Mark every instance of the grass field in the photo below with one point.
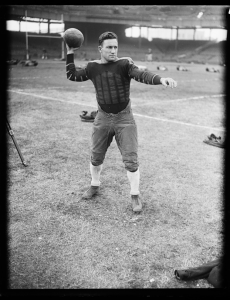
(57, 240)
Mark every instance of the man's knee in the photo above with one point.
(131, 166)
(97, 160)
(97, 163)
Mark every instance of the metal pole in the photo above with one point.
(11, 133)
(171, 33)
(27, 48)
(177, 33)
(86, 36)
(139, 37)
(63, 44)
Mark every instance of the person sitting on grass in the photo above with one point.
(111, 77)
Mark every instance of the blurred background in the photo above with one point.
(187, 33)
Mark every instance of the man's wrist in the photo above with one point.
(70, 51)
(157, 79)
(69, 58)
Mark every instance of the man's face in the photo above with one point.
(108, 50)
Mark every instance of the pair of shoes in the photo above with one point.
(92, 191)
(136, 203)
(214, 141)
(88, 117)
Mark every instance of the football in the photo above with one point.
(73, 38)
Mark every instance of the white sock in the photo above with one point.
(95, 174)
(134, 179)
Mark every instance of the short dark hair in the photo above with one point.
(108, 35)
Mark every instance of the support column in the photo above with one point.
(177, 29)
(63, 43)
(194, 33)
(48, 26)
(85, 37)
(140, 37)
(27, 47)
(210, 34)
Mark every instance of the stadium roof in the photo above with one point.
(182, 16)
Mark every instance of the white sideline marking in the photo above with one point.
(197, 97)
(54, 87)
(13, 78)
(135, 114)
(195, 80)
(182, 99)
(179, 122)
(50, 98)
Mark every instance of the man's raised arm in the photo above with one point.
(73, 73)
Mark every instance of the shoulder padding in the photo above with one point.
(95, 61)
(128, 58)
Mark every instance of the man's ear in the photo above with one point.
(99, 48)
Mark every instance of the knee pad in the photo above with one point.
(96, 163)
(131, 166)
(133, 170)
(97, 160)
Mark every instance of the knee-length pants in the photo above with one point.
(123, 127)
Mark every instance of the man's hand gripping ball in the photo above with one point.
(73, 39)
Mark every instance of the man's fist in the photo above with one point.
(169, 82)
(70, 50)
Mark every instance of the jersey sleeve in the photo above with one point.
(146, 77)
(74, 73)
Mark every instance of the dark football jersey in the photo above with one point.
(111, 80)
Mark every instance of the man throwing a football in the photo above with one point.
(111, 77)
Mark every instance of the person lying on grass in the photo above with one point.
(111, 77)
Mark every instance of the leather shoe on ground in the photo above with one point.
(136, 203)
(92, 191)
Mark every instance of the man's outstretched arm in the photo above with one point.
(148, 77)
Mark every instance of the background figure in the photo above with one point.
(84, 55)
(44, 56)
(149, 55)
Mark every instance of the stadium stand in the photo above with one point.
(17, 43)
(163, 50)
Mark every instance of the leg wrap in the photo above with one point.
(95, 174)
(134, 180)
